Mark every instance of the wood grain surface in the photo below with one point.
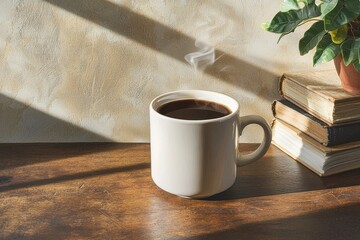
(104, 191)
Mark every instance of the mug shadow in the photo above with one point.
(333, 223)
(281, 175)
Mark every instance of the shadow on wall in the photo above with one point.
(172, 43)
(22, 123)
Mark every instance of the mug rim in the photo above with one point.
(234, 110)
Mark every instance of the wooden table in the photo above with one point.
(104, 191)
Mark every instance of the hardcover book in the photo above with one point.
(320, 93)
(322, 160)
(322, 132)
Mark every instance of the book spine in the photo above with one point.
(342, 134)
(324, 111)
(281, 83)
(273, 106)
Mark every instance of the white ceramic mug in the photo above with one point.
(198, 158)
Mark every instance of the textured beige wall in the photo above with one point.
(87, 70)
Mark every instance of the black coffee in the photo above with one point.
(191, 109)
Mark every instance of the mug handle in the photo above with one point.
(264, 146)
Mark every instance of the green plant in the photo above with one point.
(336, 28)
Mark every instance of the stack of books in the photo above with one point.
(317, 123)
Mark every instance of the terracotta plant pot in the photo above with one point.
(350, 78)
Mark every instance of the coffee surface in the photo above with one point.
(191, 109)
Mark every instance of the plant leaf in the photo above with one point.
(356, 65)
(284, 22)
(339, 35)
(288, 5)
(350, 50)
(307, 2)
(344, 12)
(312, 37)
(326, 50)
(327, 6)
(282, 35)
